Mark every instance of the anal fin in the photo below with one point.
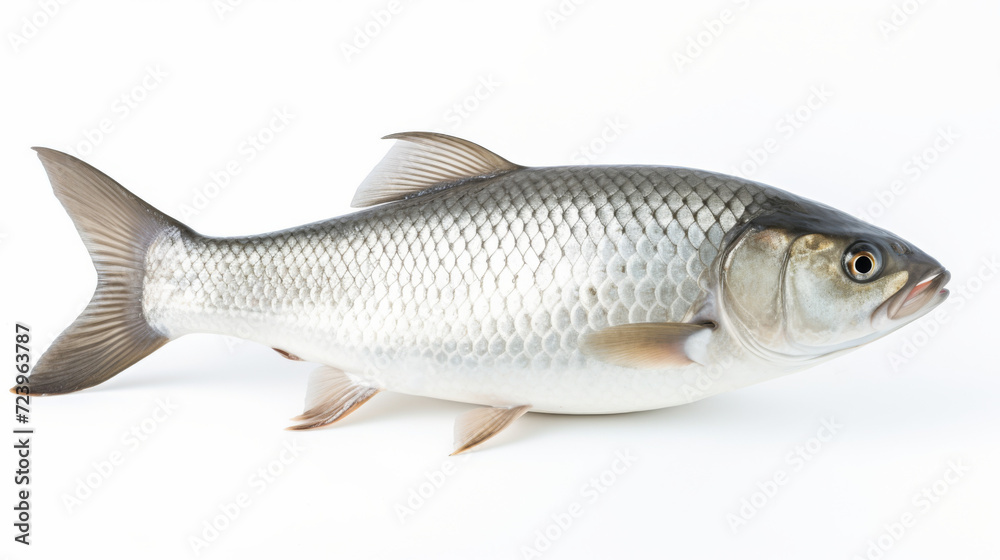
(478, 425)
(330, 396)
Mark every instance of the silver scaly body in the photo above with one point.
(575, 290)
(480, 293)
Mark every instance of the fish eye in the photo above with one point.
(862, 261)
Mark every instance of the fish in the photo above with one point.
(569, 289)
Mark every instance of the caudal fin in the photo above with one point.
(117, 227)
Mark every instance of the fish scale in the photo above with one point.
(562, 289)
(470, 291)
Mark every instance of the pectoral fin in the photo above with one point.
(330, 396)
(478, 425)
(643, 345)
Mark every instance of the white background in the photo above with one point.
(555, 84)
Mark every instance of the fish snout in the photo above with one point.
(924, 291)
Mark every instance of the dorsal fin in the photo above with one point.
(422, 161)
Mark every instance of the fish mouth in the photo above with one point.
(915, 296)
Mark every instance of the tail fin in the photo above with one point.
(117, 227)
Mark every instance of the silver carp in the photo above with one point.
(574, 290)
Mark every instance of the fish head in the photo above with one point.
(807, 281)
